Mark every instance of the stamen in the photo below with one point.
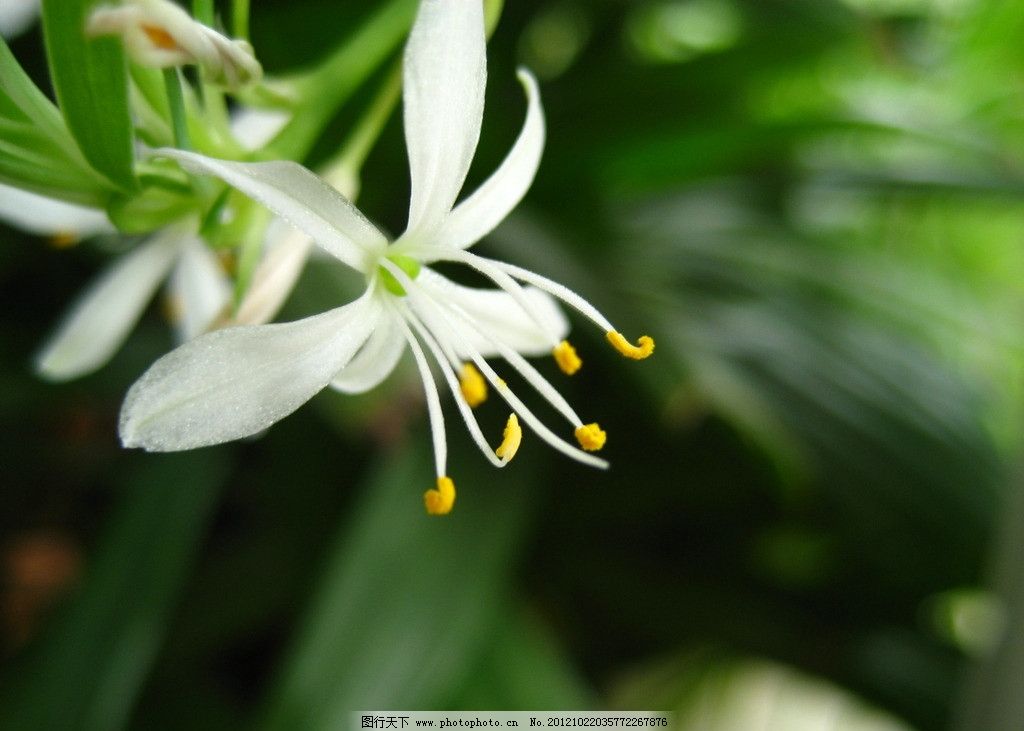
(159, 37)
(63, 239)
(514, 359)
(511, 438)
(472, 385)
(440, 501)
(565, 356)
(416, 293)
(173, 309)
(434, 412)
(643, 348)
(494, 273)
(591, 437)
(464, 410)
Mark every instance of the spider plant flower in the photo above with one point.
(198, 289)
(159, 34)
(100, 321)
(235, 382)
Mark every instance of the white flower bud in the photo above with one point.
(159, 34)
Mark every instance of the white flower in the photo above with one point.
(100, 321)
(159, 34)
(238, 381)
(198, 288)
(16, 16)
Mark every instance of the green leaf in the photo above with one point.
(407, 599)
(331, 84)
(88, 668)
(90, 78)
(36, 149)
(524, 667)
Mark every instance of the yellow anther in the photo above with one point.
(472, 385)
(643, 348)
(63, 239)
(591, 437)
(441, 500)
(159, 37)
(565, 356)
(173, 309)
(511, 438)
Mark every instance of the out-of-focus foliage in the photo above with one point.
(815, 209)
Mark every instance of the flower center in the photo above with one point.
(407, 264)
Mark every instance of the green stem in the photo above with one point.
(176, 104)
(240, 19)
(370, 125)
(202, 10)
(331, 83)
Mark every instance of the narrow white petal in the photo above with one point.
(376, 360)
(286, 252)
(199, 290)
(501, 316)
(445, 75)
(16, 16)
(101, 319)
(44, 216)
(478, 215)
(235, 382)
(299, 197)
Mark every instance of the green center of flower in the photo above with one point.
(407, 264)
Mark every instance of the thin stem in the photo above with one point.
(202, 10)
(368, 129)
(176, 104)
(349, 161)
(240, 19)
(334, 80)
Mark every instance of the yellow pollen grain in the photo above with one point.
(441, 500)
(591, 437)
(643, 348)
(565, 356)
(511, 438)
(63, 240)
(159, 37)
(173, 309)
(472, 385)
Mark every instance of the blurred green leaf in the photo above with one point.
(87, 669)
(523, 668)
(36, 150)
(91, 81)
(406, 599)
(330, 84)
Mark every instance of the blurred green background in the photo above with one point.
(814, 206)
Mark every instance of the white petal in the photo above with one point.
(299, 197)
(256, 127)
(43, 216)
(500, 316)
(286, 252)
(375, 361)
(235, 382)
(100, 321)
(16, 16)
(445, 75)
(477, 216)
(199, 290)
